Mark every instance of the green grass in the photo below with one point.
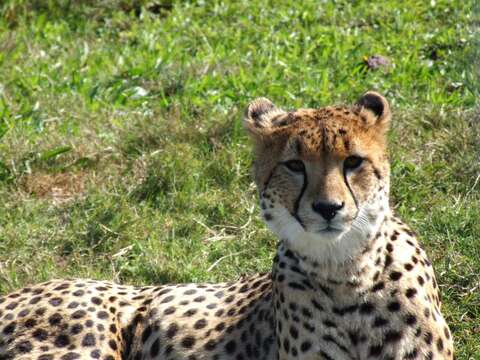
(122, 154)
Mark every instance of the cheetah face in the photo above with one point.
(322, 174)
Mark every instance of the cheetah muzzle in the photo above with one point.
(349, 280)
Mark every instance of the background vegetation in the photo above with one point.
(122, 155)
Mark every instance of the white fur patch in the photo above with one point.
(329, 247)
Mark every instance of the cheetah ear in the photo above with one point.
(376, 108)
(262, 118)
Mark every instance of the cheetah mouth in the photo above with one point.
(329, 230)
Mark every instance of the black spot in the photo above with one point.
(411, 354)
(447, 333)
(410, 319)
(395, 275)
(200, 324)
(62, 287)
(306, 345)
(55, 319)
(378, 286)
(411, 292)
(70, 356)
(40, 311)
(35, 300)
(188, 342)
(62, 340)
(79, 314)
(392, 336)
(388, 261)
(167, 299)
(155, 348)
(30, 323)
(170, 310)
(329, 323)
(375, 350)
(96, 300)
(345, 310)
(113, 344)
(294, 332)
(393, 306)
(10, 328)
(426, 312)
(88, 340)
(210, 345)
(418, 332)
(428, 338)
(306, 313)
(76, 329)
(440, 344)
(73, 305)
(366, 308)
(146, 334)
(172, 330)
(78, 293)
(380, 321)
(230, 347)
(102, 315)
(190, 312)
(296, 286)
(24, 347)
(353, 337)
(45, 357)
(40, 334)
(55, 301)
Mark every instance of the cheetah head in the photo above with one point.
(322, 174)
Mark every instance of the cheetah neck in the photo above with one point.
(355, 272)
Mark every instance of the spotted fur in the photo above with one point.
(349, 281)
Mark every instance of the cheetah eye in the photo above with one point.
(295, 165)
(352, 162)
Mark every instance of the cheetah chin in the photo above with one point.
(335, 245)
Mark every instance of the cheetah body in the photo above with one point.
(89, 319)
(349, 280)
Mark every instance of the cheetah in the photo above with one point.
(349, 280)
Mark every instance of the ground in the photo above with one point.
(98, 119)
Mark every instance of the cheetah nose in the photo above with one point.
(327, 209)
